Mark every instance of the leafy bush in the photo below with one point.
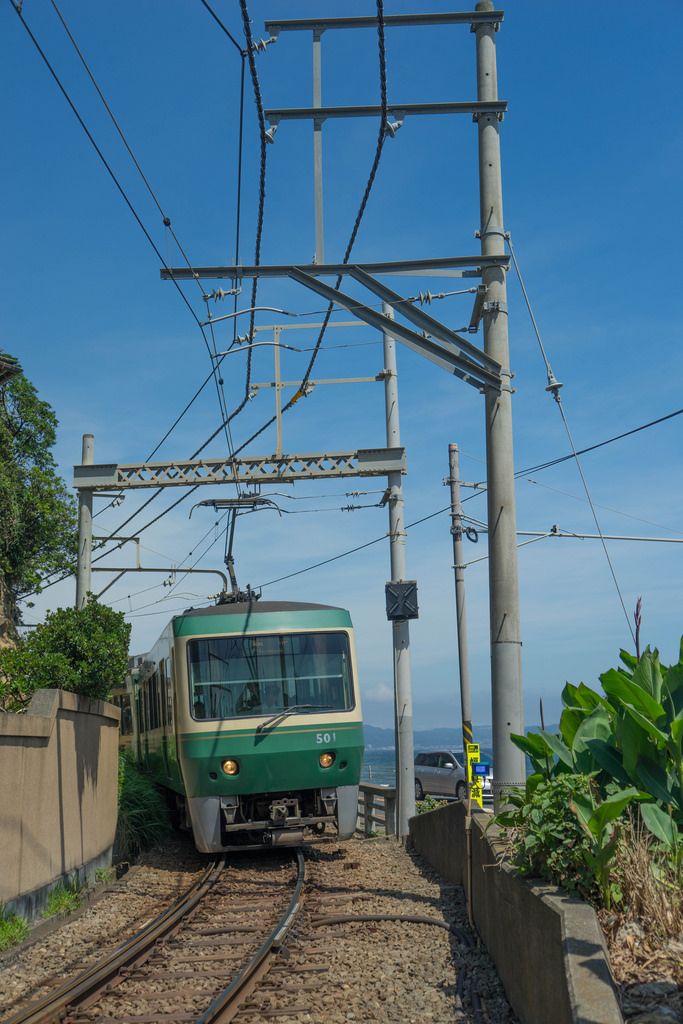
(143, 815)
(630, 737)
(614, 749)
(544, 837)
(13, 929)
(82, 650)
(429, 803)
(63, 899)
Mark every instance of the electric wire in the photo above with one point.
(554, 389)
(263, 165)
(223, 27)
(120, 188)
(381, 138)
(360, 547)
(600, 444)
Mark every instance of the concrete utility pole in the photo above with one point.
(460, 610)
(506, 667)
(403, 695)
(83, 571)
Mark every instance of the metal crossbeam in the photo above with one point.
(448, 356)
(423, 320)
(273, 28)
(257, 469)
(476, 107)
(445, 266)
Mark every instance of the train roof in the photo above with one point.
(258, 608)
(259, 617)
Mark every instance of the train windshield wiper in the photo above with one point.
(291, 711)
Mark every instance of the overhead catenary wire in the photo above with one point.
(481, 488)
(166, 220)
(553, 387)
(223, 27)
(381, 138)
(121, 190)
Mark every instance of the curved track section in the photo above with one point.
(191, 963)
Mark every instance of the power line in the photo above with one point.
(119, 186)
(263, 163)
(381, 138)
(224, 28)
(360, 547)
(166, 220)
(600, 444)
(553, 387)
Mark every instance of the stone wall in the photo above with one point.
(58, 795)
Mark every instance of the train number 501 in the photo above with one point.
(326, 737)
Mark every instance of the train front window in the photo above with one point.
(245, 676)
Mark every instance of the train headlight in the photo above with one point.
(326, 760)
(231, 767)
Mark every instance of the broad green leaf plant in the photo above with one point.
(628, 743)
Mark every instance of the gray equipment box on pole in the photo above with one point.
(401, 600)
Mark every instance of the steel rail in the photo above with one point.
(228, 1003)
(53, 1007)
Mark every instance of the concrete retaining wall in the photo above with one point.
(58, 795)
(547, 946)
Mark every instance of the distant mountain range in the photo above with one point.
(435, 739)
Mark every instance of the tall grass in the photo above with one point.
(143, 815)
(13, 929)
(646, 876)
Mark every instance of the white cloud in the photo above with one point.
(381, 692)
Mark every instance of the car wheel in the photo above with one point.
(461, 791)
(419, 792)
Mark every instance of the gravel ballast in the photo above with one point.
(331, 972)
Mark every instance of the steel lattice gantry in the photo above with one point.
(251, 469)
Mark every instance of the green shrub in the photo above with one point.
(629, 738)
(618, 758)
(82, 650)
(429, 803)
(543, 835)
(143, 815)
(13, 929)
(63, 899)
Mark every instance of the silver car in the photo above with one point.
(441, 773)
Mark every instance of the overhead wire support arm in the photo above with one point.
(446, 355)
(274, 27)
(423, 320)
(247, 469)
(440, 266)
(475, 107)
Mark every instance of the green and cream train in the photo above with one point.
(249, 716)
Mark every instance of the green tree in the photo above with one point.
(84, 650)
(37, 513)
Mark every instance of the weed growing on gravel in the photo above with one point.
(104, 874)
(63, 899)
(143, 815)
(13, 929)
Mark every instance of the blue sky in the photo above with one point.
(591, 160)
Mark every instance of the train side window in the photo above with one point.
(169, 690)
(154, 701)
(162, 690)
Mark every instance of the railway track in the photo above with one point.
(199, 960)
